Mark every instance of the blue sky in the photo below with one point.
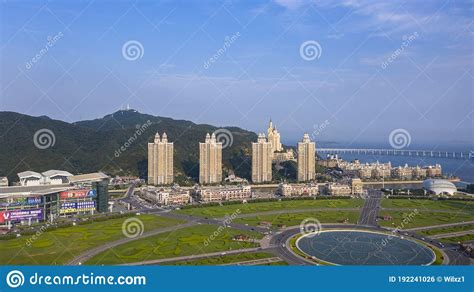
(381, 65)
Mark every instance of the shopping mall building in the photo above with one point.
(82, 195)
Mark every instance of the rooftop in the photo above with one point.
(21, 191)
(89, 177)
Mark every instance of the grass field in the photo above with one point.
(293, 219)
(182, 242)
(222, 260)
(423, 218)
(221, 211)
(447, 230)
(62, 245)
(465, 238)
(425, 205)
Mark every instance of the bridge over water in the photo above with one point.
(398, 152)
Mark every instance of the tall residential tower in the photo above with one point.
(160, 161)
(210, 161)
(306, 159)
(274, 138)
(262, 155)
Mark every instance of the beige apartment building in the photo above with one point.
(306, 159)
(298, 190)
(274, 138)
(210, 161)
(262, 155)
(160, 161)
(218, 194)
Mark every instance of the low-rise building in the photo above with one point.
(235, 179)
(226, 193)
(50, 177)
(335, 189)
(298, 190)
(26, 205)
(288, 155)
(167, 196)
(357, 186)
(419, 172)
(402, 172)
(3, 181)
(434, 170)
(331, 161)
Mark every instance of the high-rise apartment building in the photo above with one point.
(274, 138)
(262, 155)
(160, 161)
(210, 161)
(306, 159)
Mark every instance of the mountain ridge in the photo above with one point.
(90, 145)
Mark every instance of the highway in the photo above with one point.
(368, 214)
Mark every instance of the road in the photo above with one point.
(255, 262)
(277, 212)
(452, 234)
(368, 214)
(276, 243)
(439, 226)
(193, 257)
(78, 260)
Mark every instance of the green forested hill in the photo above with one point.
(89, 146)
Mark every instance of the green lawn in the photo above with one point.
(447, 230)
(222, 260)
(62, 245)
(465, 238)
(221, 211)
(294, 219)
(182, 242)
(426, 205)
(423, 218)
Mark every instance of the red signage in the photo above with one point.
(77, 194)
